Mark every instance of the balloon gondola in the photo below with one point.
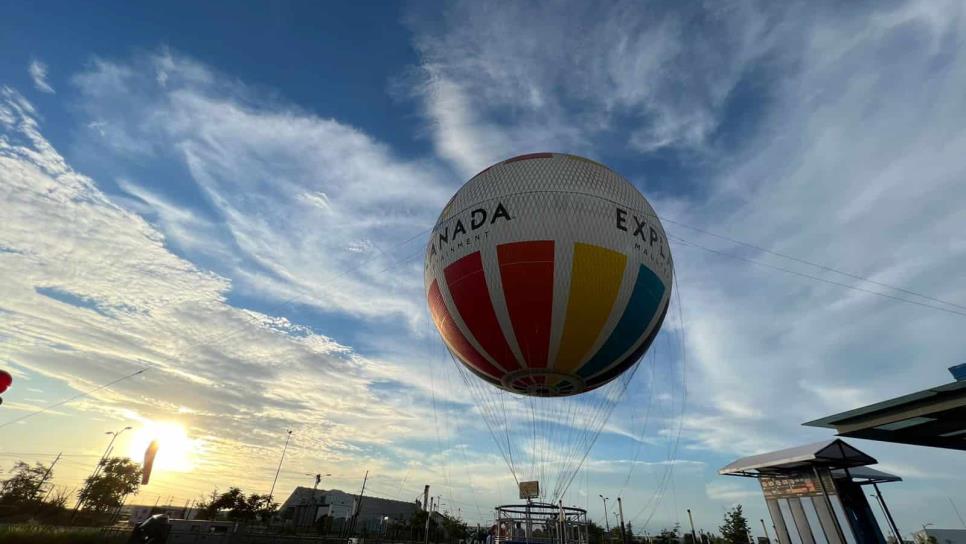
(548, 277)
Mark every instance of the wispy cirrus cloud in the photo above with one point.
(38, 73)
(302, 207)
(583, 78)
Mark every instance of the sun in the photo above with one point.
(176, 451)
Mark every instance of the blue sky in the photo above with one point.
(239, 198)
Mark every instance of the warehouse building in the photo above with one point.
(332, 509)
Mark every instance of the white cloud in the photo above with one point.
(731, 491)
(92, 294)
(38, 73)
(296, 200)
(528, 77)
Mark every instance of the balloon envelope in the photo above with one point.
(5, 380)
(548, 275)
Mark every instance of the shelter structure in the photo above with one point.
(933, 417)
(816, 489)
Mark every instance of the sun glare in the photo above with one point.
(176, 452)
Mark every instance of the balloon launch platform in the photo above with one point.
(540, 523)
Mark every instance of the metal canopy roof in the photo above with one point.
(831, 454)
(866, 475)
(933, 417)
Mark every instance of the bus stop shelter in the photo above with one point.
(817, 489)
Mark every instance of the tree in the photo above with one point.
(27, 485)
(208, 506)
(454, 528)
(58, 498)
(595, 533)
(669, 536)
(117, 478)
(735, 529)
(239, 507)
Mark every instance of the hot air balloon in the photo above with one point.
(5, 380)
(548, 277)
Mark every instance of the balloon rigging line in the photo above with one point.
(80, 395)
(462, 450)
(814, 277)
(647, 412)
(672, 453)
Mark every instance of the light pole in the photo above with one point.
(318, 479)
(878, 499)
(694, 536)
(606, 520)
(279, 469)
(100, 462)
(763, 528)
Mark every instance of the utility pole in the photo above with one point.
(46, 475)
(358, 508)
(620, 508)
(43, 480)
(694, 536)
(279, 469)
(429, 512)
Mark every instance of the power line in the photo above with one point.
(812, 263)
(818, 278)
(69, 399)
(45, 454)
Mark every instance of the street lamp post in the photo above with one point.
(606, 520)
(315, 488)
(271, 493)
(100, 462)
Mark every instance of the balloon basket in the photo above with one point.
(540, 523)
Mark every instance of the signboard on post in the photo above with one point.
(529, 490)
(801, 484)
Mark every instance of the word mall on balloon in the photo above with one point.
(636, 227)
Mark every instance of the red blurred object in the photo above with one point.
(5, 380)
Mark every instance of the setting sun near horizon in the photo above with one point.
(177, 452)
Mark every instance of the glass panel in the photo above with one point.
(789, 521)
(813, 521)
